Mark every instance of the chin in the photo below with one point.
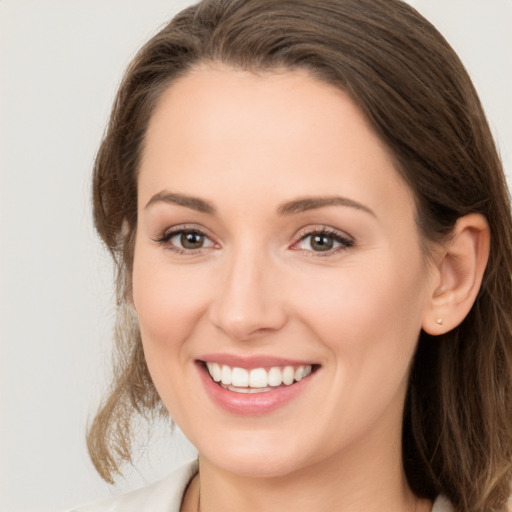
(256, 459)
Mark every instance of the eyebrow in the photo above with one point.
(194, 203)
(289, 208)
(311, 203)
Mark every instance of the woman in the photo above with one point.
(312, 233)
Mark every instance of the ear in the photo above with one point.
(458, 271)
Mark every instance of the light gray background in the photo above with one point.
(60, 63)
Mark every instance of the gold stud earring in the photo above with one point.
(439, 321)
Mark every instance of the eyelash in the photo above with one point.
(167, 235)
(344, 241)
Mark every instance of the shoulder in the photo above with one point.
(442, 505)
(162, 496)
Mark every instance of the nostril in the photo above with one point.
(245, 321)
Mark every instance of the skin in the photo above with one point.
(247, 143)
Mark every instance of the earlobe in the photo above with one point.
(460, 266)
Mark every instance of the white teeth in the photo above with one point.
(248, 390)
(288, 375)
(275, 377)
(240, 377)
(215, 371)
(257, 379)
(226, 375)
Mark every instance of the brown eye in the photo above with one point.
(322, 242)
(184, 240)
(191, 240)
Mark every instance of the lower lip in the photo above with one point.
(251, 403)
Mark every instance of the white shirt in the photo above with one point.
(166, 496)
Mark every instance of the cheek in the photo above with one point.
(365, 300)
(169, 300)
(370, 322)
(369, 318)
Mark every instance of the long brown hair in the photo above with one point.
(413, 89)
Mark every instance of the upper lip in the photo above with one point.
(250, 362)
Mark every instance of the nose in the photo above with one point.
(249, 303)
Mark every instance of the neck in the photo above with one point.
(377, 485)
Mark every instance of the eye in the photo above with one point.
(189, 240)
(324, 241)
(185, 240)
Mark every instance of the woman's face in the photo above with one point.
(276, 241)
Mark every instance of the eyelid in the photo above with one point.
(322, 228)
(346, 240)
(165, 237)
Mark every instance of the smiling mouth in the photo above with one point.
(257, 380)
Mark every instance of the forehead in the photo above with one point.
(218, 129)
